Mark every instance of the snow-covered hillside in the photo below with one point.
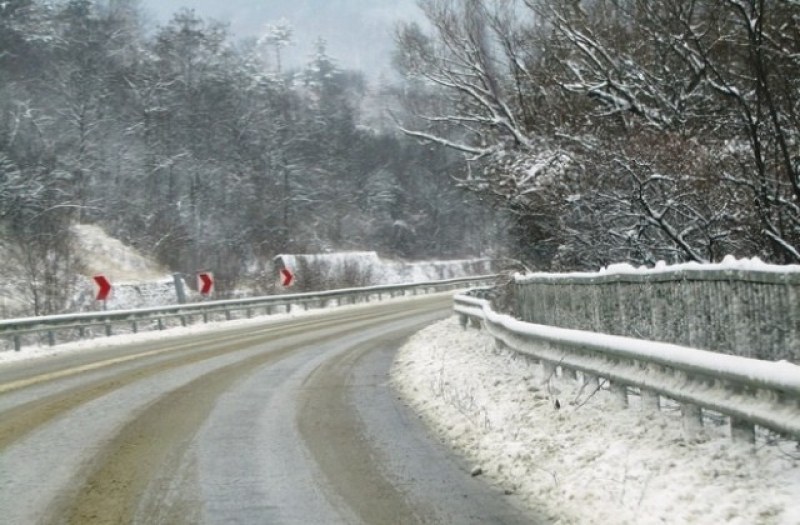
(140, 282)
(137, 281)
(99, 253)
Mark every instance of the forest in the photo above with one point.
(619, 130)
(204, 152)
(561, 134)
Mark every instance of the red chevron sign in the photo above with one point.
(287, 277)
(205, 283)
(103, 287)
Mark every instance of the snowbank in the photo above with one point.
(588, 462)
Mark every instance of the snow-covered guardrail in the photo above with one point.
(749, 391)
(81, 323)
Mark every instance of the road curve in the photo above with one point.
(289, 422)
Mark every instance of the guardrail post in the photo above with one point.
(742, 431)
(51, 338)
(109, 331)
(692, 416)
(463, 320)
(205, 317)
(649, 400)
(227, 315)
(135, 326)
(160, 324)
(183, 320)
(17, 343)
(619, 392)
(549, 370)
(180, 291)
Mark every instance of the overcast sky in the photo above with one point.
(358, 32)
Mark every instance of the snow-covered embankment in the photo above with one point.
(587, 462)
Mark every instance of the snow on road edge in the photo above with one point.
(587, 462)
(125, 337)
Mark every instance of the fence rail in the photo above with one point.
(749, 391)
(81, 323)
(749, 313)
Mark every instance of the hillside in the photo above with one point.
(27, 281)
(99, 253)
(138, 281)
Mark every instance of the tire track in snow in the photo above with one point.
(110, 490)
(333, 432)
(19, 421)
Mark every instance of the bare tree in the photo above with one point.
(635, 129)
(721, 71)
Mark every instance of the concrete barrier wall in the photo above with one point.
(746, 312)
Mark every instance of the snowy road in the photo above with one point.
(288, 422)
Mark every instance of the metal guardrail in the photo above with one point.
(16, 329)
(749, 391)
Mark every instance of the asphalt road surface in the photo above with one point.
(289, 422)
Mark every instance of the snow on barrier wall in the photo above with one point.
(740, 307)
(326, 270)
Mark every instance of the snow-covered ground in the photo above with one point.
(588, 462)
(38, 351)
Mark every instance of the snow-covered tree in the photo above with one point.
(277, 36)
(180, 142)
(618, 128)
